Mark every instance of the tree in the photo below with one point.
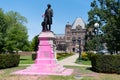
(13, 32)
(91, 45)
(3, 28)
(107, 14)
(34, 43)
(16, 38)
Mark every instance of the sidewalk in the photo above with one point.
(70, 61)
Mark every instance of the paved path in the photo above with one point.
(70, 61)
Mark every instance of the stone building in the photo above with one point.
(72, 33)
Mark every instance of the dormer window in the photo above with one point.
(78, 27)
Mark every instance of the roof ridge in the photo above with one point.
(78, 21)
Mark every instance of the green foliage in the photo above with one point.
(16, 38)
(89, 55)
(34, 56)
(2, 29)
(84, 56)
(63, 55)
(107, 14)
(91, 45)
(84, 62)
(9, 60)
(106, 63)
(13, 32)
(34, 43)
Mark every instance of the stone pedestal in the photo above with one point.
(46, 62)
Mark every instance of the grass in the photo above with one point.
(26, 59)
(84, 62)
(62, 77)
(5, 73)
(63, 57)
(79, 69)
(84, 72)
(88, 62)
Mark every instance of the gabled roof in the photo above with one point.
(78, 21)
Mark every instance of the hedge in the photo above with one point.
(34, 56)
(106, 63)
(89, 55)
(9, 60)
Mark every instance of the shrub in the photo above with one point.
(34, 56)
(118, 70)
(9, 60)
(106, 63)
(84, 56)
(89, 55)
(117, 64)
(63, 55)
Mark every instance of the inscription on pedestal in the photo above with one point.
(47, 54)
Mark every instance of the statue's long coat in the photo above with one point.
(48, 16)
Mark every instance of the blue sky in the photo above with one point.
(64, 11)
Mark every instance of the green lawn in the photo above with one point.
(5, 73)
(88, 62)
(84, 72)
(84, 62)
(26, 59)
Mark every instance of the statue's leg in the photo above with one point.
(49, 27)
(46, 27)
(45, 20)
(43, 28)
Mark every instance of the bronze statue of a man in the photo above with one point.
(48, 18)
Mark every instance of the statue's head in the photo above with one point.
(48, 5)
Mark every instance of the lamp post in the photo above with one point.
(96, 25)
(79, 42)
(74, 43)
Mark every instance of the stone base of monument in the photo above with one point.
(46, 62)
(45, 70)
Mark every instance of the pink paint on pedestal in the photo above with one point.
(45, 63)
